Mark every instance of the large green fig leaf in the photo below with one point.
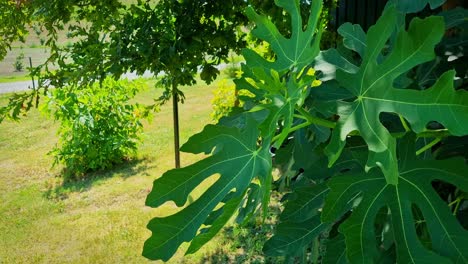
(448, 239)
(297, 51)
(236, 158)
(300, 221)
(283, 80)
(372, 86)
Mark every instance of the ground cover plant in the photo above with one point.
(373, 160)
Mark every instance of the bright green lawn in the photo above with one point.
(101, 220)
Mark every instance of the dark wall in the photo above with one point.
(362, 12)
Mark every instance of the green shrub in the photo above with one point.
(99, 127)
(19, 64)
(232, 71)
(223, 100)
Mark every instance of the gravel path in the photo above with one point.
(15, 86)
(26, 85)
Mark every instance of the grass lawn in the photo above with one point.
(101, 220)
(17, 77)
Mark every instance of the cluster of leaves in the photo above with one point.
(224, 99)
(373, 161)
(99, 127)
(175, 39)
(14, 14)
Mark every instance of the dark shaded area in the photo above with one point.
(246, 241)
(362, 12)
(124, 170)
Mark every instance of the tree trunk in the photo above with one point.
(175, 111)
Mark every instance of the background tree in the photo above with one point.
(169, 38)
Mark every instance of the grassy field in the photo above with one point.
(103, 219)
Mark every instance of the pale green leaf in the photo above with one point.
(285, 79)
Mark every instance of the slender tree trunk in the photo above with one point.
(175, 112)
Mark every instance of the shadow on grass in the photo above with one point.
(60, 189)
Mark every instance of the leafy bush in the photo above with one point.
(223, 100)
(373, 160)
(232, 71)
(99, 126)
(19, 62)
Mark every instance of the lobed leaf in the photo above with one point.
(449, 241)
(372, 86)
(283, 80)
(297, 51)
(235, 157)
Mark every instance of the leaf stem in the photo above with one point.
(300, 116)
(405, 125)
(439, 133)
(454, 202)
(455, 211)
(316, 120)
(428, 146)
(305, 124)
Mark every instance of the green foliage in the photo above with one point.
(448, 240)
(240, 151)
(373, 160)
(372, 87)
(415, 6)
(13, 17)
(242, 163)
(232, 71)
(19, 62)
(224, 99)
(171, 39)
(99, 126)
